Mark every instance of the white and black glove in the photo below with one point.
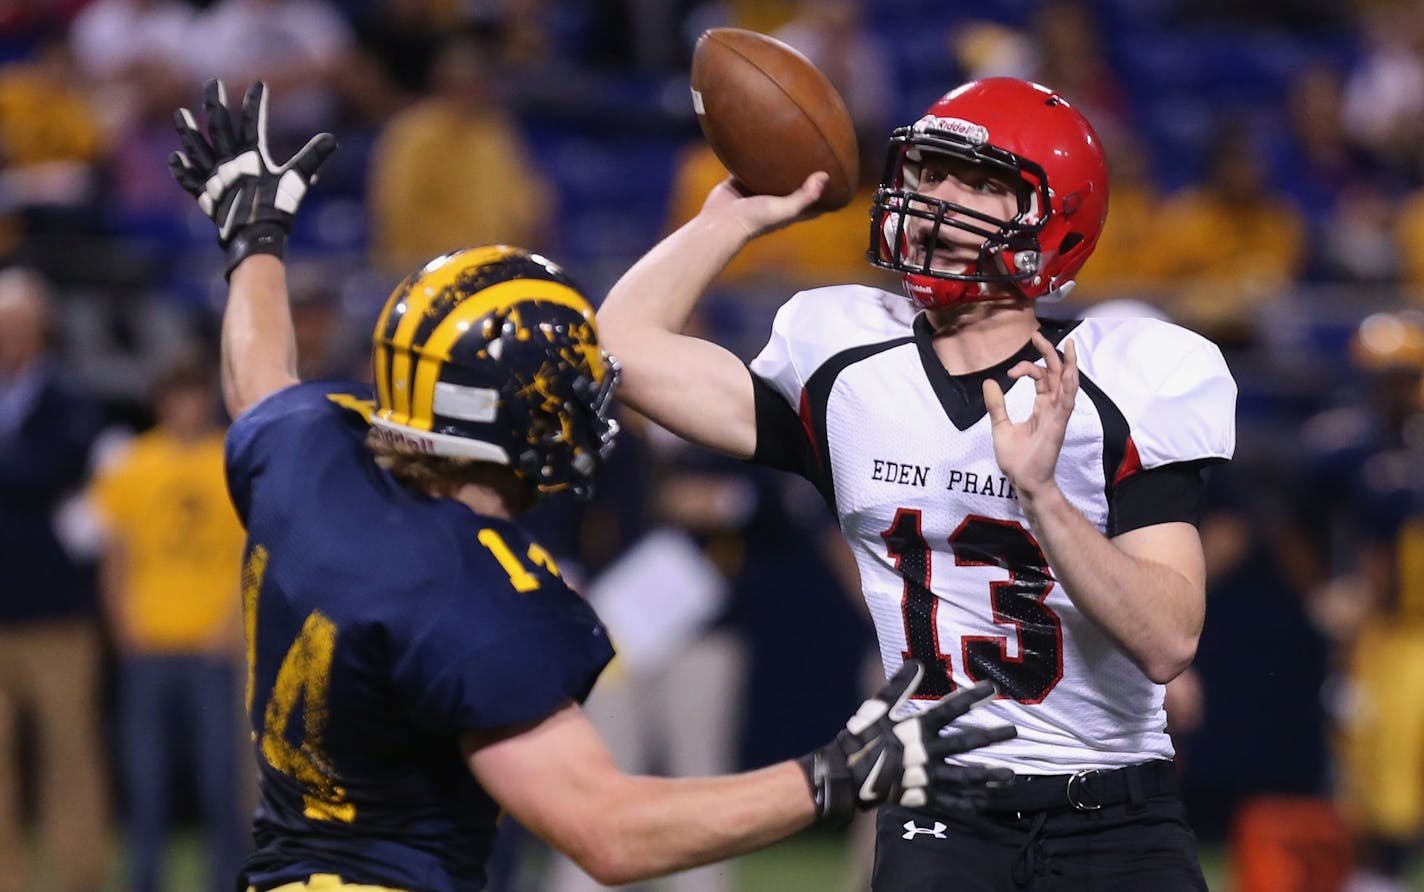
(879, 758)
(251, 198)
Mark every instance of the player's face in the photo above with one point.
(968, 185)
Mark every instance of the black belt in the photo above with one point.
(1086, 790)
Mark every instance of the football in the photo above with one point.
(771, 116)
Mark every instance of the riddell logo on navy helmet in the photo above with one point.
(398, 438)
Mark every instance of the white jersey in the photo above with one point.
(851, 393)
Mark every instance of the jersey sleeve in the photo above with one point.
(1192, 416)
(809, 330)
(783, 441)
(1166, 494)
(278, 431)
(778, 385)
(1177, 402)
(776, 366)
(502, 668)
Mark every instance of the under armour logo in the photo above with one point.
(937, 831)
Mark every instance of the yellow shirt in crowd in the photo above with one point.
(166, 505)
(443, 178)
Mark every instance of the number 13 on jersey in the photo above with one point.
(1017, 602)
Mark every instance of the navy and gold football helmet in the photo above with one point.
(492, 354)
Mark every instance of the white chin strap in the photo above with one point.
(1059, 293)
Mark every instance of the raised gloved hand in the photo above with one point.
(251, 198)
(879, 759)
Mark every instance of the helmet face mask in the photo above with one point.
(492, 354)
(1015, 132)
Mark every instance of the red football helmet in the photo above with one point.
(1023, 133)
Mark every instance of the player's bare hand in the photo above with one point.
(760, 214)
(1027, 450)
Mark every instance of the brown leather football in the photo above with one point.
(771, 116)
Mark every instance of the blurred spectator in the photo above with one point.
(1314, 159)
(1120, 267)
(172, 556)
(45, 119)
(833, 35)
(50, 140)
(1062, 49)
(1229, 244)
(49, 638)
(1384, 93)
(1071, 59)
(453, 170)
(1258, 628)
(525, 34)
(639, 35)
(398, 40)
(330, 346)
(132, 53)
(1347, 202)
(1357, 244)
(298, 47)
(990, 49)
(1368, 457)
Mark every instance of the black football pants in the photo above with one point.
(1143, 846)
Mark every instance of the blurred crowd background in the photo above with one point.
(1268, 190)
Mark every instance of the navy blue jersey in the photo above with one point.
(380, 624)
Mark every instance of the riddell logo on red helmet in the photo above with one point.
(958, 126)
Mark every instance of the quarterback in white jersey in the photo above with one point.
(852, 396)
(1020, 494)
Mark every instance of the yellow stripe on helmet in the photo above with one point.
(434, 279)
(380, 355)
(436, 350)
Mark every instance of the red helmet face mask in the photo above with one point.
(1024, 135)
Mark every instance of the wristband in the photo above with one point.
(830, 789)
(255, 238)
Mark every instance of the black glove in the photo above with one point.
(251, 198)
(879, 758)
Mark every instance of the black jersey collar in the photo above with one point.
(962, 396)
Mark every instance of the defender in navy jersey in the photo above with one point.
(387, 617)
(415, 660)
(1020, 494)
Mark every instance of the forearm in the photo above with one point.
(1151, 612)
(658, 826)
(259, 352)
(692, 387)
(227, 168)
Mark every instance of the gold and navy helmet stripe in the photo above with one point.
(402, 317)
(435, 352)
(478, 275)
(381, 354)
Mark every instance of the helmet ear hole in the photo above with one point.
(1070, 241)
